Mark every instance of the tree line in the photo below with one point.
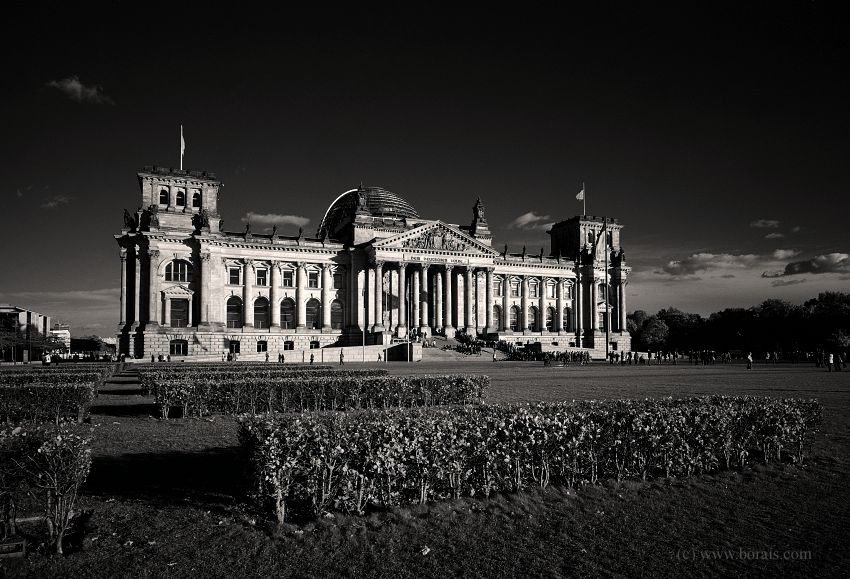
(775, 326)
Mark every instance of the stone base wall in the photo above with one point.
(552, 342)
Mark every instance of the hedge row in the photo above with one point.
(151, 379)
(49, 461)
(332, 392)
(50, 377)
(357, 460)
(50, 402)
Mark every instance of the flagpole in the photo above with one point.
(583, 198)
(181, 147)
(607, 288)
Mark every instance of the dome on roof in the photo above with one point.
(378, 202)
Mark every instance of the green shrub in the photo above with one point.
(53, 461)
(336, 391)
(356, 460)
(33, 402)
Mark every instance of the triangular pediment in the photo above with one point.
(436, 236)
(177, 291)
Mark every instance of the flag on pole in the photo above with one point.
(182, 147)
(580, 195)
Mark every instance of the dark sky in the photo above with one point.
(718, 134)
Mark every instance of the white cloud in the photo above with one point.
(269, 219)
(531, 220)
(786, 253)
(55, 201)
(820, 264)
(720, 263)
(774, 236)
(765, 223)
(78, 92)
(796, 229)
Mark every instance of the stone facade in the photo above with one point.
(374, 272)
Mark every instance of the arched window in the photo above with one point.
(181, 199)
(177, 271)
(163, 196)
(514, 318)
(532, 319)
(314, 314)
(196, 199)
(568, 316)
(287, 314)
(336, 315)
(261, 313)
(497, 317)
(234, 312)
(550, 320)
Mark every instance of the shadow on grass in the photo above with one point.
(143, 409)
(212, 478)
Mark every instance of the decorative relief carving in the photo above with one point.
(435, 239)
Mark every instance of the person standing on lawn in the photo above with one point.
(829, 362)
(750, 361)
(341, 357)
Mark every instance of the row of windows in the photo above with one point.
(262, 314)
(181, 347)
(533, 321)
(180, 201)
(533, 290)
(261, 278)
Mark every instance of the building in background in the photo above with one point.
(375, 271)
(22, 333)
(63, 335)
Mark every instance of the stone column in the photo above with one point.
(559, 304)
(300, 289)
(379, 297)
(523, 318)
(579, 309)
(248, 293)
(543, 305)
(423, 310)
(189, 313)
(274, 280)
(153, 303)
(448, 322)
(326, 298)
(137, 287)
(123, 314)
(594, 300)
(470, 301)
(438, 298)
(402, 300)
(205, 287)
(488, 302)
(167, 317)
(414, 299)
(506, 314)
(623, 320)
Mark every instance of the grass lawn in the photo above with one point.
(167, 499)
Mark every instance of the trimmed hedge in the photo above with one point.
(357, 460)
(50, 377)
(336, 391)
(34, 402)
(45, 460)
(150, 378)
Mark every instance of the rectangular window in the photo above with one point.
(234, 346)
(313, 279)
(234, 275)
(289, 345)
(514, 289)
(262, 346)
(288, 276)
(314, 345)
(262, 277)
(532, 291)
(550, 291)
(179, 313)
(498, 287)
(337, 281)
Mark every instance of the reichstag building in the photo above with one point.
(375, 272)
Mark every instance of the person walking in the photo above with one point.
(312, 357)
(829, 360)
(267, 357)
(750, 361)
(341, 357)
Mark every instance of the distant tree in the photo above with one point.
(685, 330)
(634, 324)
(655, 334)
